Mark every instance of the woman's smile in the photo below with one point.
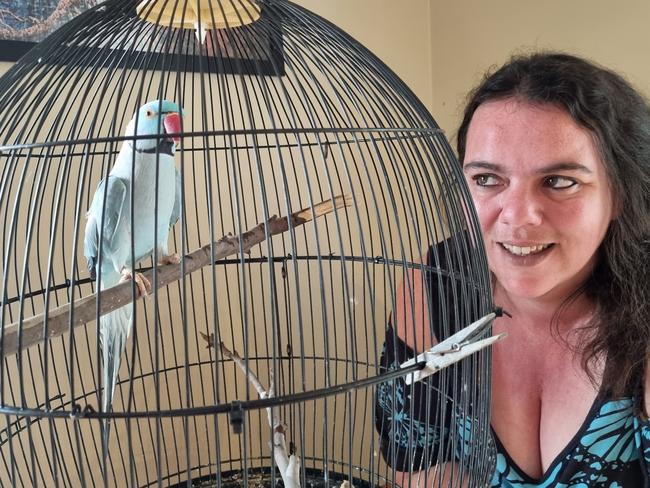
(525, 255)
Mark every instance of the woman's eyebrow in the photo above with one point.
(554, 168)
(482, 165)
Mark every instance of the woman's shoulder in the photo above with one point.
(435, 293)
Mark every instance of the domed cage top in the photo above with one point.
(340, 193)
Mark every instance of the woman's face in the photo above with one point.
(542, 196)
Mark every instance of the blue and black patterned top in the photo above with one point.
(611, 449)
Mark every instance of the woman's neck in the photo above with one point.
(567, 312)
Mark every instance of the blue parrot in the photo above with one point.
(134, 171)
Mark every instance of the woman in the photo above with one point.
(556, 153)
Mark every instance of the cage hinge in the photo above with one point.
(236, 417)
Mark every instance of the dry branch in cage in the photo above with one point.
(58, 321)
(288, 464)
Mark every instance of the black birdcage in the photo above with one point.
(333, 180)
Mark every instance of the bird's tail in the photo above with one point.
(114, 332)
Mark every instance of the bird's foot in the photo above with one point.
(229, 238)
(142, 283)
(171, 259)
(233, 241)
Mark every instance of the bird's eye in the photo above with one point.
(149, 113)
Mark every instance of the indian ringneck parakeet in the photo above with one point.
(134, 171)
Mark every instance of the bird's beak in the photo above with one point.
(172, 124)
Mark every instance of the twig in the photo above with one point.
(289, 465)
(261, 391)
(58, 321)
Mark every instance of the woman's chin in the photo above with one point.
(525, 289)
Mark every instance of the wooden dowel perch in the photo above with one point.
(85, 309)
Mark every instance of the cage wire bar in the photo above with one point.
(282, 110)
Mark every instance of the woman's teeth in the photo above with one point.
(525, 251)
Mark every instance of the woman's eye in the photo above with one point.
(560, 182)
(485, 180)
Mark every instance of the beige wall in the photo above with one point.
(470, 36)
(399, 36)
(441, 48)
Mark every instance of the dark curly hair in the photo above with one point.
(618, 118)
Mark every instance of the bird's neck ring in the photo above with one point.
(165, 146)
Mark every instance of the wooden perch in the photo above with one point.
(59, 321)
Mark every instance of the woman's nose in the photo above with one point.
(520, 206)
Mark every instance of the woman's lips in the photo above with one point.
(525, 250)
(525, 255)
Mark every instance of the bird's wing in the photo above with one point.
(116, 212)
(176, 211)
